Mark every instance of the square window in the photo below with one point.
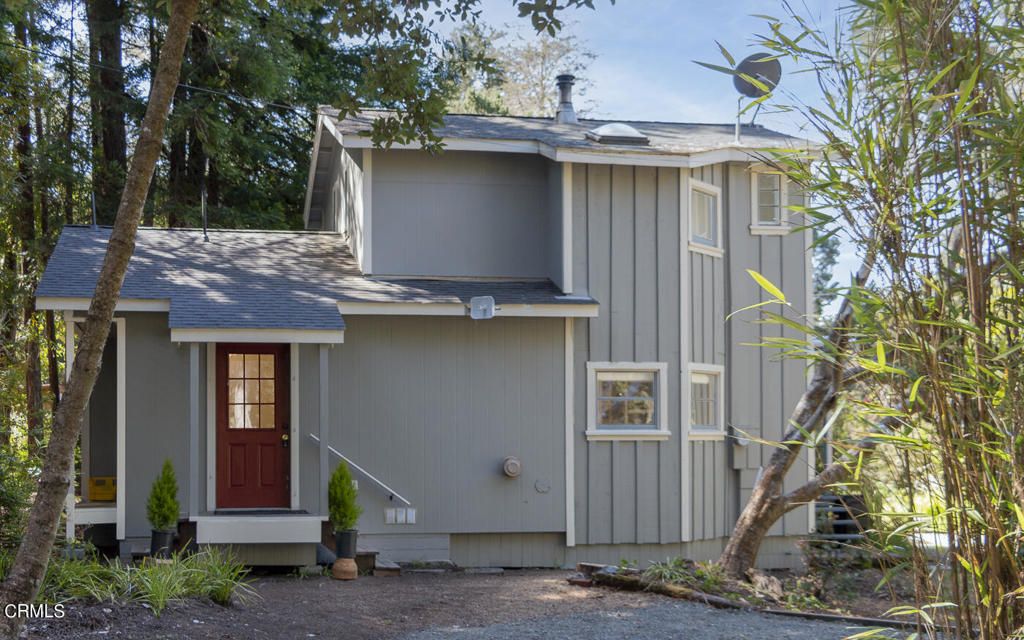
(626, 400)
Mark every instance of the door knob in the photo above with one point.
(284, 440)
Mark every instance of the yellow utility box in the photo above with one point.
(102, 489)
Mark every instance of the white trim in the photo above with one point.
(257, 529)
(57, 303)
(766, 229)
(460, 309)
(718, 371)
(95, 515)
(812, 523)
(122, 477)
(366, 224)
(211, 426)
(69, 360)
(648, 159)
(258, 335)
(714, 252)
(312, 170)
(627, 434)
(570, 428)
(324, 430)
(567, 228)
(773, 230)
(193, 428)
(293, 400)
(685, 474)
(660, 431)
(708, 189)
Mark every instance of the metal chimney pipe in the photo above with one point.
(565, 112)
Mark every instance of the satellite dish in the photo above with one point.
(764, 67)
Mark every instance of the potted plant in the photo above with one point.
(162, 511)
(344, 512)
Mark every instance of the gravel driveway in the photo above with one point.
(421, 606)
(671, 619)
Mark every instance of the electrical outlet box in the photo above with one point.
(400, 515)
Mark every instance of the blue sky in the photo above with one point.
(644, 68)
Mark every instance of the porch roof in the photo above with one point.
(284, 280)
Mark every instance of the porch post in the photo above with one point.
(69, 360)
(193, 429)
(324, 430)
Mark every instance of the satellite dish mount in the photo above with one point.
(766, 70)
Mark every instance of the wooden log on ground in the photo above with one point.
(636, 583)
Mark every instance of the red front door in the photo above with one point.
(252, 426)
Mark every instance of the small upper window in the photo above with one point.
(769, 198)
(705, 217)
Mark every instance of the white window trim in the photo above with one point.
(757, 227)
(715, 250)
(706, 434)
(661, 432)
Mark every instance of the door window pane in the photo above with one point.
(251, 392)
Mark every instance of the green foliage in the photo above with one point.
(342, 506)
(920, 163)
(15, 489)
(211, 573)
(502, 72)
(162, 505)
(702, 576)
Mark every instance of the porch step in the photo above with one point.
(365, 560)
(386, 568)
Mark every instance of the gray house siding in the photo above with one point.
(431, 406)
(156, 414)
(627, 492)
(765, 388)
(102, 418)
(460, 213)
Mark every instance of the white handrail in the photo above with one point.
(392, 492)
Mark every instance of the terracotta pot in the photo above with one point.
(344, 569)
(345, 543)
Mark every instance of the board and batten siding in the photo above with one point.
(626, 254)
(765, 387)
(432, 405)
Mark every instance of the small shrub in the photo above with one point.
(673, 570)
(710, 576)
(162, 506)
(216, 574)
(341, 499)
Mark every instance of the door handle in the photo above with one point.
(284, 440)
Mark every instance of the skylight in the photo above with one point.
(617, 133)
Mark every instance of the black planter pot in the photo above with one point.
(161, 543)
(345, 543)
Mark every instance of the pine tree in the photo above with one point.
(162, 505)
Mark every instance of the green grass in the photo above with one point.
(211, 573)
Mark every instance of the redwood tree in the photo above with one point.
(25, 578)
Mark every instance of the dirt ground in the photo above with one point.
(288, 606)
(317, 607)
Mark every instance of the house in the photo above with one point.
(608, 409)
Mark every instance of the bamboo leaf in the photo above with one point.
(768, 286)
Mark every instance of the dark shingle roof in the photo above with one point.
(666, 138)
(257, 279)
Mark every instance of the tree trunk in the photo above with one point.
(106, 92)
(767, 503)
(25, 578)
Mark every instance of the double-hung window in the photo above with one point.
(626, 401)
(705, 218)
(706, 400)
(769, 203)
